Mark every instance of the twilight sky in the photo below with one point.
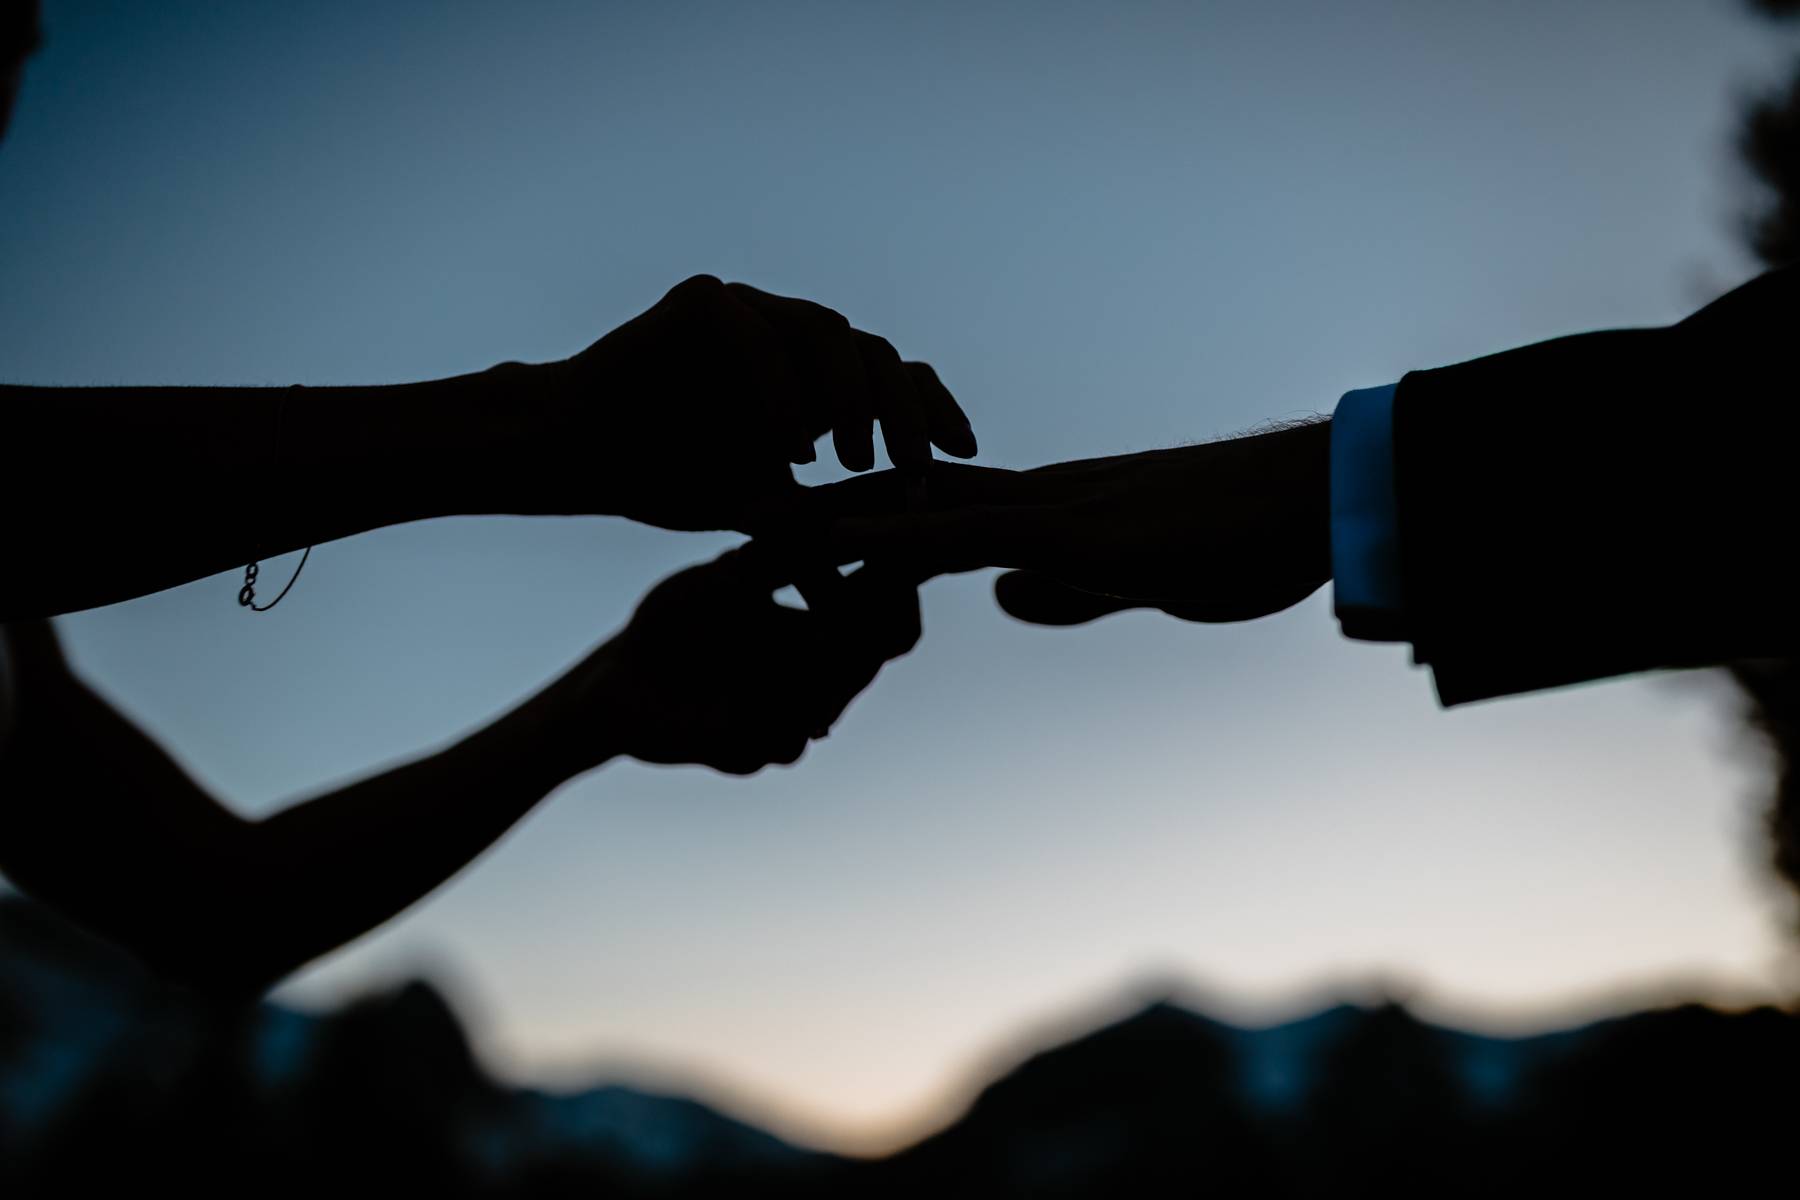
(1111, 228)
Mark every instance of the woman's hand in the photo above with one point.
(711, 670)
(688, 416)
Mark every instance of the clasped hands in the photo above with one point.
(703, 402)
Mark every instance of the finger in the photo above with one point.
(836, 683)
(876, 621)
(1239, 608)
(782, 505)
(945, 421)
(761, 567)
(853, 423)
(774, 381)
(881, 608)
(941, 543)
(792, 555)
(820, 586)
(738, 764)
(896, 405)
(1042, 600)
(880, 493)
(822, 347)
(947, 485)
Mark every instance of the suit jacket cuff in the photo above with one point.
(1365, 527)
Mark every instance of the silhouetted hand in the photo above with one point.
(97, 818)
(688, 415)
(1220, 532)
(712, 670)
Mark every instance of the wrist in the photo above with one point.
(494, 442)
(375, 456)
(580, 720)
(1292, 475)
(546, 741)
(1311, 481)
(544, 443)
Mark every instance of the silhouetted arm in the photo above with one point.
(97, 820)
(110, 493)
(1224, 531)
(687, 417)
(1605, 503)
(1585, 507)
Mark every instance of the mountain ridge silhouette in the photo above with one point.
(107, 1077)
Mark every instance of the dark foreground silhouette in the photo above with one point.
(1768, 142)
(108, 1079)
(687, 417)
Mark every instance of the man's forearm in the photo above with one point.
(115, 492)
(1604, 503)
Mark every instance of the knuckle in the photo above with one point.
(879, 348)
(744, 294)
(697, 289)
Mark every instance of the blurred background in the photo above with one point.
(1110, 228)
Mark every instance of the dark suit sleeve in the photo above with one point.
(1605, 503)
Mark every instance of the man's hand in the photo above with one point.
(711, 670)
(1220, 532)
(688, 415)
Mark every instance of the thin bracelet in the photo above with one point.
(247, 593)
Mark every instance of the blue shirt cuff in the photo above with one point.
(1365, 535)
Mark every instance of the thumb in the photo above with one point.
(1043, 600)
(774, 497)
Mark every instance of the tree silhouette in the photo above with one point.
(1769, 143)
(1777, 8)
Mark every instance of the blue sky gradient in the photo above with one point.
(1111, 228)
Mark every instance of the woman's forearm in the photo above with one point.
(114, 492)
(97, 819)
(334, 867)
